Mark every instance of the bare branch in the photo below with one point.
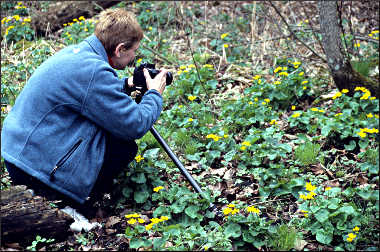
(294, 35)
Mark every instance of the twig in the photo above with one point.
(351, 30)
(191, 51)
(293, 34)
(160, 56)
(312, 29)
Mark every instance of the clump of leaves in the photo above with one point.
(307, 153)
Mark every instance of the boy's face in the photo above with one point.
(123, 57)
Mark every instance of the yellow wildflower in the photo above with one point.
(158, 188)
(309, 187)
(155, 220)
(246, 143)
(301, 73)
(250, 103)
(234, 211)
(314, 109)
(344, 91)
(283, 73)
(164, 218)
(131, 221)
(351, 237)
(223, 35)
(277, 69)
(213, 136)
(293, 107)
(295, 115)
(190, 119)
(256, 77)
(139, 158)
(369, 115)
(338, 114)
(338, 94)
(273, 122)
(208, 66)
(225, 45)
(191, 97)
(277, 82)
(304, 82)
(227, 211)
(243, 148)
(141, 220)
(252, 209)
(327, 188)
(134, 215)
(149, 226)
(362, 134)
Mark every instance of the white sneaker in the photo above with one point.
(80, 222)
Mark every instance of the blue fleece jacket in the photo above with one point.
(56, 128)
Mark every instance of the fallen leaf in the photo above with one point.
(300, 244)
(112, 221)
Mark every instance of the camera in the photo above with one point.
(139, 77)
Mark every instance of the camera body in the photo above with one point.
(139, 77)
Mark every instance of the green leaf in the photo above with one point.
(139, 178)
(194, 157)
(333, 203)
(229, 155)
(138, 243)
(324, 236)
(177, 207)
(349, 210)
(127, 192)
(141, 196)
(363, 144)
(233, 230)
(160, 211)
(350, 146)
(322, 215)
(151, 154)
(192, 211)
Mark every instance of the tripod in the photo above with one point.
(180, 166)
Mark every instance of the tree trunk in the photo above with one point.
(24, 216)
(62, 12)
(345, 77)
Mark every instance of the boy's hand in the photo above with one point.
(158, 83)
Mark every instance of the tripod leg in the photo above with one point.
(176, 160)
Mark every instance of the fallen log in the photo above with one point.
(23, 216)
(61, 12)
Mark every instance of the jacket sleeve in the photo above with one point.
(109, 107)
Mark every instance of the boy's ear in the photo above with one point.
(118, 49)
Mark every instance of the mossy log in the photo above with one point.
(23, 216)
(61, 12)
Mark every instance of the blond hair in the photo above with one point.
(117, 26)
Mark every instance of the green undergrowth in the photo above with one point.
(285, 161)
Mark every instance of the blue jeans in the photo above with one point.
(119, 154)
